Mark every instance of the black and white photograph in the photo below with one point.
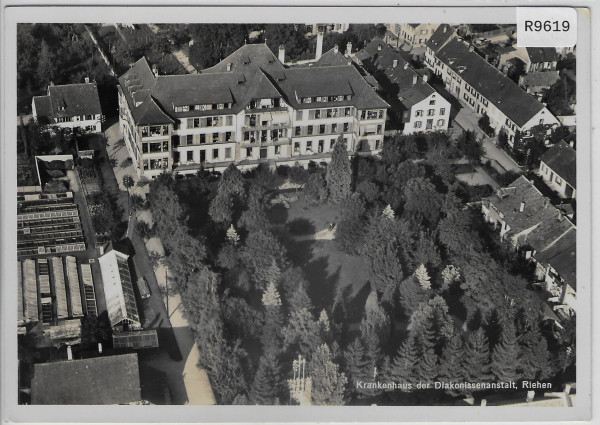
(296, 214)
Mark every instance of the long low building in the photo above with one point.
(247, 109)
(478, 84)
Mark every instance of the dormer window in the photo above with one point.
(220, 106)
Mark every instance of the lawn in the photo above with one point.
(327, 269)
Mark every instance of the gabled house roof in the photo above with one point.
(251, 72)
(540, 225)
(332, 58)
(440, 37)
(542, 54)
(497, 88)
(68, 100)
(540, 79)
(100, 380)
(562, 158)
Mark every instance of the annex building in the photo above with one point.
(247, 109)
(72, 106)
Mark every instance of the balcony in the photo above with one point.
(268, 142)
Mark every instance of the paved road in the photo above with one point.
(188, 383)
(467, 120)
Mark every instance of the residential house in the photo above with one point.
(72, 106)
(523, 216)
(485, 90)
(422, 109)
(248, 109)
(536, 82)
(414, 34)
(558, 170)
(325, 28)
(105, 380)
(442, 35)
(535, 59)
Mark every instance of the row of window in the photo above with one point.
(266, 103)
(476, 94)
(209, 121)
(547, 170)
(215, 155)
(320, 145)
(154, 147)
(314, 114)
(203, 107)
(194, 139)
(156, 164)
(339, 98)
(429, 123)
(263, 135)
(372, 115)
(430, 112)
(309, 130)
(75, 118)
(155, 130)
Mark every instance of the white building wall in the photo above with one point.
(423, 111)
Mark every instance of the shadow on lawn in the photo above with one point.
(321, 286)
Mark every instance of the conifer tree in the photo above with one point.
(423, 277)
(427, 366)
(402, 367)
(232, 236)
(267, 382)
(356, 364)
(477, 357)
(535, 357)
(506, 353)
(385, 267)
(300, 299)
(46, 67)
(328, 383)
(388, 212)
(339, 173)
(451, 361)
(271, 336)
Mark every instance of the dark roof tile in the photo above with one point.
(562, 159)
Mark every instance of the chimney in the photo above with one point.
(425, 78)
(415, 79)
(100, 347)
(405, 65)
(379, 47)
(522, 206)
(282, 53)
(395, 63)
(87, 80)
(69, 353)
(336, 48)
(471, 48)
(155, 70)
(546, 202)
(229, 67)
(319, 51)
(348, 48)
(444, 29)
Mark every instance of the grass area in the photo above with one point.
(327, 269)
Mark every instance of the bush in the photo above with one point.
(298, 174)
(144, 229)
(55, 186)
(301, 226)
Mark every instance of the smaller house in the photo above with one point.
(535, 59)
(558, 170)
(536, 82)
(541, 232)
(72, 106)
(100, 380)
(414, 34)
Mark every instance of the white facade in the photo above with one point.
(417, 35)
(430, 114)
(556, 182)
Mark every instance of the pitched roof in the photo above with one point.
(542, 54)
(440, 37)
(540, 79)
(43, 109)
(332, 58)
(546, 225)
(562, 256)
(100, 380)
(562, 159)
(497, 88)
(248, 59)
(69, 100)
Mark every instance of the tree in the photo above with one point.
(506, 353)
(258, 255)
(450, 274)
(271, 336)
(339, 173)
(230, 195)
(423, 277)
(302, 330)
(484, 124)
(328, 383)
(402, 368)
(388, 212)
(422, 201)
(300, 299)
(46, 68)
(385, 268)
(356, 365)
(315, 189)
(375, 325)
(138, 203)
(255, 217)
(426, 251)
(232, 236)
(477, 357)
(451, 361)
(433, 318)
(144, 229)
(267, 383)
(470, 147)
(411, 295)
(351, 227)
(534, 357)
